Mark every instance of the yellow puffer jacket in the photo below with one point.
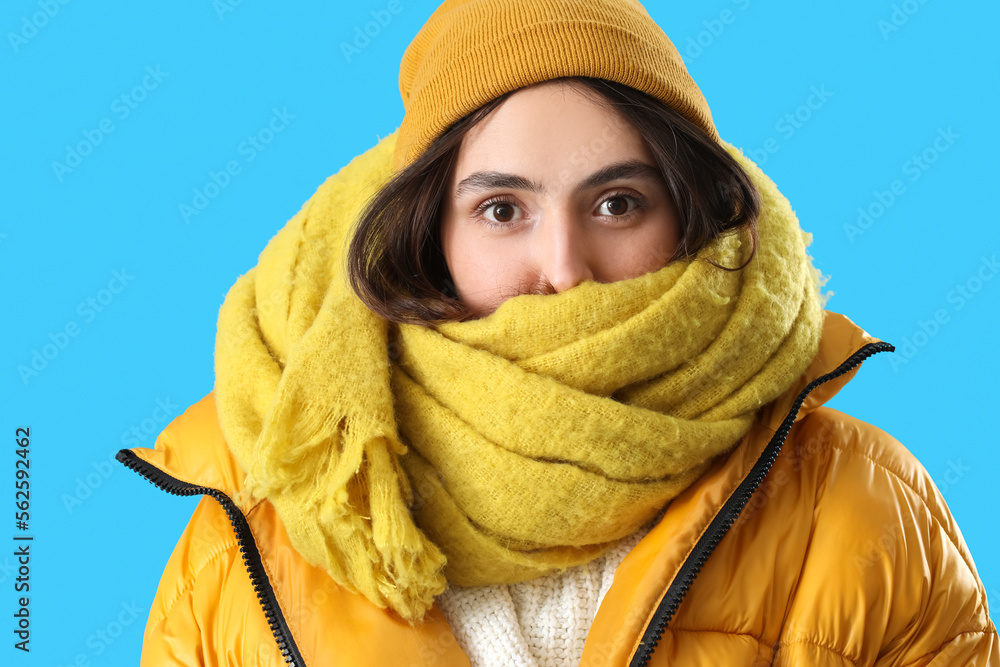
(845, 554)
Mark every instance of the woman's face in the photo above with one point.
(551, 189)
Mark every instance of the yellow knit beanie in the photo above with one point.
(472, 51)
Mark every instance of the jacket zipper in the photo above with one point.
(244, 537)
(731, 510)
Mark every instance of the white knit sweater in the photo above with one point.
(538, 623)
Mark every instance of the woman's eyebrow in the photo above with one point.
(495, 180)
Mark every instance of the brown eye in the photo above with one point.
(498, 213)
(618, 205)
(503, 212)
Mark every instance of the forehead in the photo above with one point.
(551, 126)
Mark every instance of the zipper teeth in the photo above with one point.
(244, 538)
(724, 520)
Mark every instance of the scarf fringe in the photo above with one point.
(361, 508)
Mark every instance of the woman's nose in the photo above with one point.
(563, 253)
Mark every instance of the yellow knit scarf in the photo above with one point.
(400, 458)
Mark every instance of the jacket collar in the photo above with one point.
(840, 339)
(192, 449)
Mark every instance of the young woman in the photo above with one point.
(539, 380)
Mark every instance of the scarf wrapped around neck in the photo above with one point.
(402, 458)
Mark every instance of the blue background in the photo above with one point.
(103, 535)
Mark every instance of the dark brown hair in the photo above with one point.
(396, 265)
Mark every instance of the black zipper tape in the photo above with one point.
(244, 537)
(730, 511)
